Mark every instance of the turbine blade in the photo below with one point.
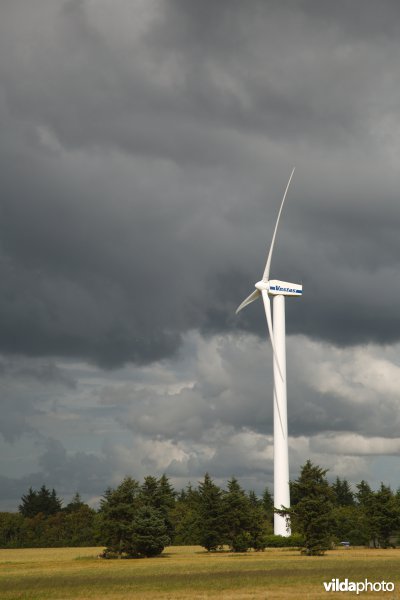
(253, 296)
(267, 306)
(268, 263)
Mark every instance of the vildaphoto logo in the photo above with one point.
(336, 585)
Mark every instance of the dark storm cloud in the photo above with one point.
(27, 388)
(76, 471)
(86, 472)
(145, 147)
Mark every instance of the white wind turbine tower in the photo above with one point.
(278, 290)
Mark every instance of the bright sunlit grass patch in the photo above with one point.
(188, 572)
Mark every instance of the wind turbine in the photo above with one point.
(278, 290)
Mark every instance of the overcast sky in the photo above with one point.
(145, 146)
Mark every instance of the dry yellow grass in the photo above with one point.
(184, 573)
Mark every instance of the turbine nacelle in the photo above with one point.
(276, 287)
(284, 288)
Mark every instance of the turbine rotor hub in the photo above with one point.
(262, 285)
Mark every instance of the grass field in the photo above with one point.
(189, 572)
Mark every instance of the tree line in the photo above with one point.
(140, 519)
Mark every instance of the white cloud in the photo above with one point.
(359, 374)
(351, 444)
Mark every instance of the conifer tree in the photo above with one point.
(365, 504)
(253, 499)
(149, 533)
(382, 515)
(343, 494)
(149, 491)
(260, 525)
(211, 515)
(237, 510)
(40, 501)
(29, 506)
(76, 504)
(185, 517)
(312, 515)
(167, 499)
(159, 494)
(268, 505)
(117, 510)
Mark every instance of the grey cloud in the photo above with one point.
(194, 72)
(85, 472)
(207, 409)
(28, 387)
(143, 161)
(228, 391)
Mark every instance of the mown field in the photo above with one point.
(190, 573)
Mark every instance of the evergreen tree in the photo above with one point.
(211, 515)
(40, 501)
(117, 509)
(149, 493)
(149, 533)
(185, 518)
(167, 492)
(167, 499)
(135, 518)
(260, 526)
(76, 504)
(237, 511)
(268, 501)
(29, 504)
(385, 515)
(364, 493)
(312, 516)
(54, 504)
(343, 494)
(159, 494)
(268, 505)
(254, 499)
(365, 504)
